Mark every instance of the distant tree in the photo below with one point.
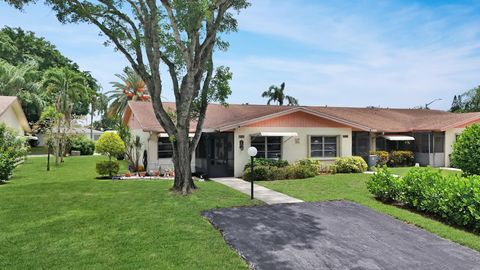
(66, 87)
(276, 94)
(130, 87)
(469, 101)
(21, 81)
(21, 48)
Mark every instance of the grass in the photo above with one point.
(38, 150)
(352, 187)
(67, 219)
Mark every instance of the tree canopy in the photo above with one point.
(24, 60)
(180, 34)
(469, 101)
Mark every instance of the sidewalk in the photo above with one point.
(261, 193)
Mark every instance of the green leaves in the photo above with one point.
(451, 197)
(466, 150)
(110, 144)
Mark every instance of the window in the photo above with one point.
(268, 147)
(323, 146)
(165, 148)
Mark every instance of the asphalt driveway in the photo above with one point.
(334, 235)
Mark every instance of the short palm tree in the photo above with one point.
(130, 87)
(276, 94)
(65, 87)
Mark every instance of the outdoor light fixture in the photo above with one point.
(241, 145)
(252, 152)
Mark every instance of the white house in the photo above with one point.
(11, 114)
(293, 133)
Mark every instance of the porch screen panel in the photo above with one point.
(165, 148)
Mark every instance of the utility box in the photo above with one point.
(372, 161)
(75, 153)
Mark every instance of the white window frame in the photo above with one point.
(337, 146)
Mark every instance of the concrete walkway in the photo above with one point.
(261, 193)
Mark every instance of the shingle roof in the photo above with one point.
(219, 117)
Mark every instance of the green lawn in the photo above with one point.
(38, 150)
(352, 187)
(67, 219)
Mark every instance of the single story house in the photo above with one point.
(12, 115)
(293, 133)
(83, 131)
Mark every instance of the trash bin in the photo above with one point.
(372, 161)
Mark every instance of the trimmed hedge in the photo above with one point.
(299, 170)
(267, 162)
(451, 197)
(350, 165)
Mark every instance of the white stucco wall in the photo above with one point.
(450, 137)
(293, 148)
(150, 143)
(10, 119)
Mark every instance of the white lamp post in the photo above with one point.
(252, 152)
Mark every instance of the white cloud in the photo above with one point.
(386, 56)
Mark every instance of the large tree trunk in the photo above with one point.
(182, 161)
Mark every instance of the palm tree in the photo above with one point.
(66, 87)
(130, 87)
(22, 81)
(276, 94)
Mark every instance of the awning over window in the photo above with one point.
(398, 138)
(276, 134)
(165, 135)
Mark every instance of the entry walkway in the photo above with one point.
(261, 193)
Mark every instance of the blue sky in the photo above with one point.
(336, 53)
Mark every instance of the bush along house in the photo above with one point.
(296, 132)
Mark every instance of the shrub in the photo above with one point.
(260, 173)
(451, 197)
(107, 167)
(401, 158)
(384, 185)
(383, 157)
(466, 150)
(298, 170)
(80, 143)
(312, 165)
(267, 162)
(11, 149)
(350, 165)
(110, 144)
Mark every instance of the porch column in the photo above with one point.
(372, 142)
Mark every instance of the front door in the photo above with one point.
(220, 154)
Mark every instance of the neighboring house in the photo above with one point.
(293, 133)
(11, 114)
(74, 130)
